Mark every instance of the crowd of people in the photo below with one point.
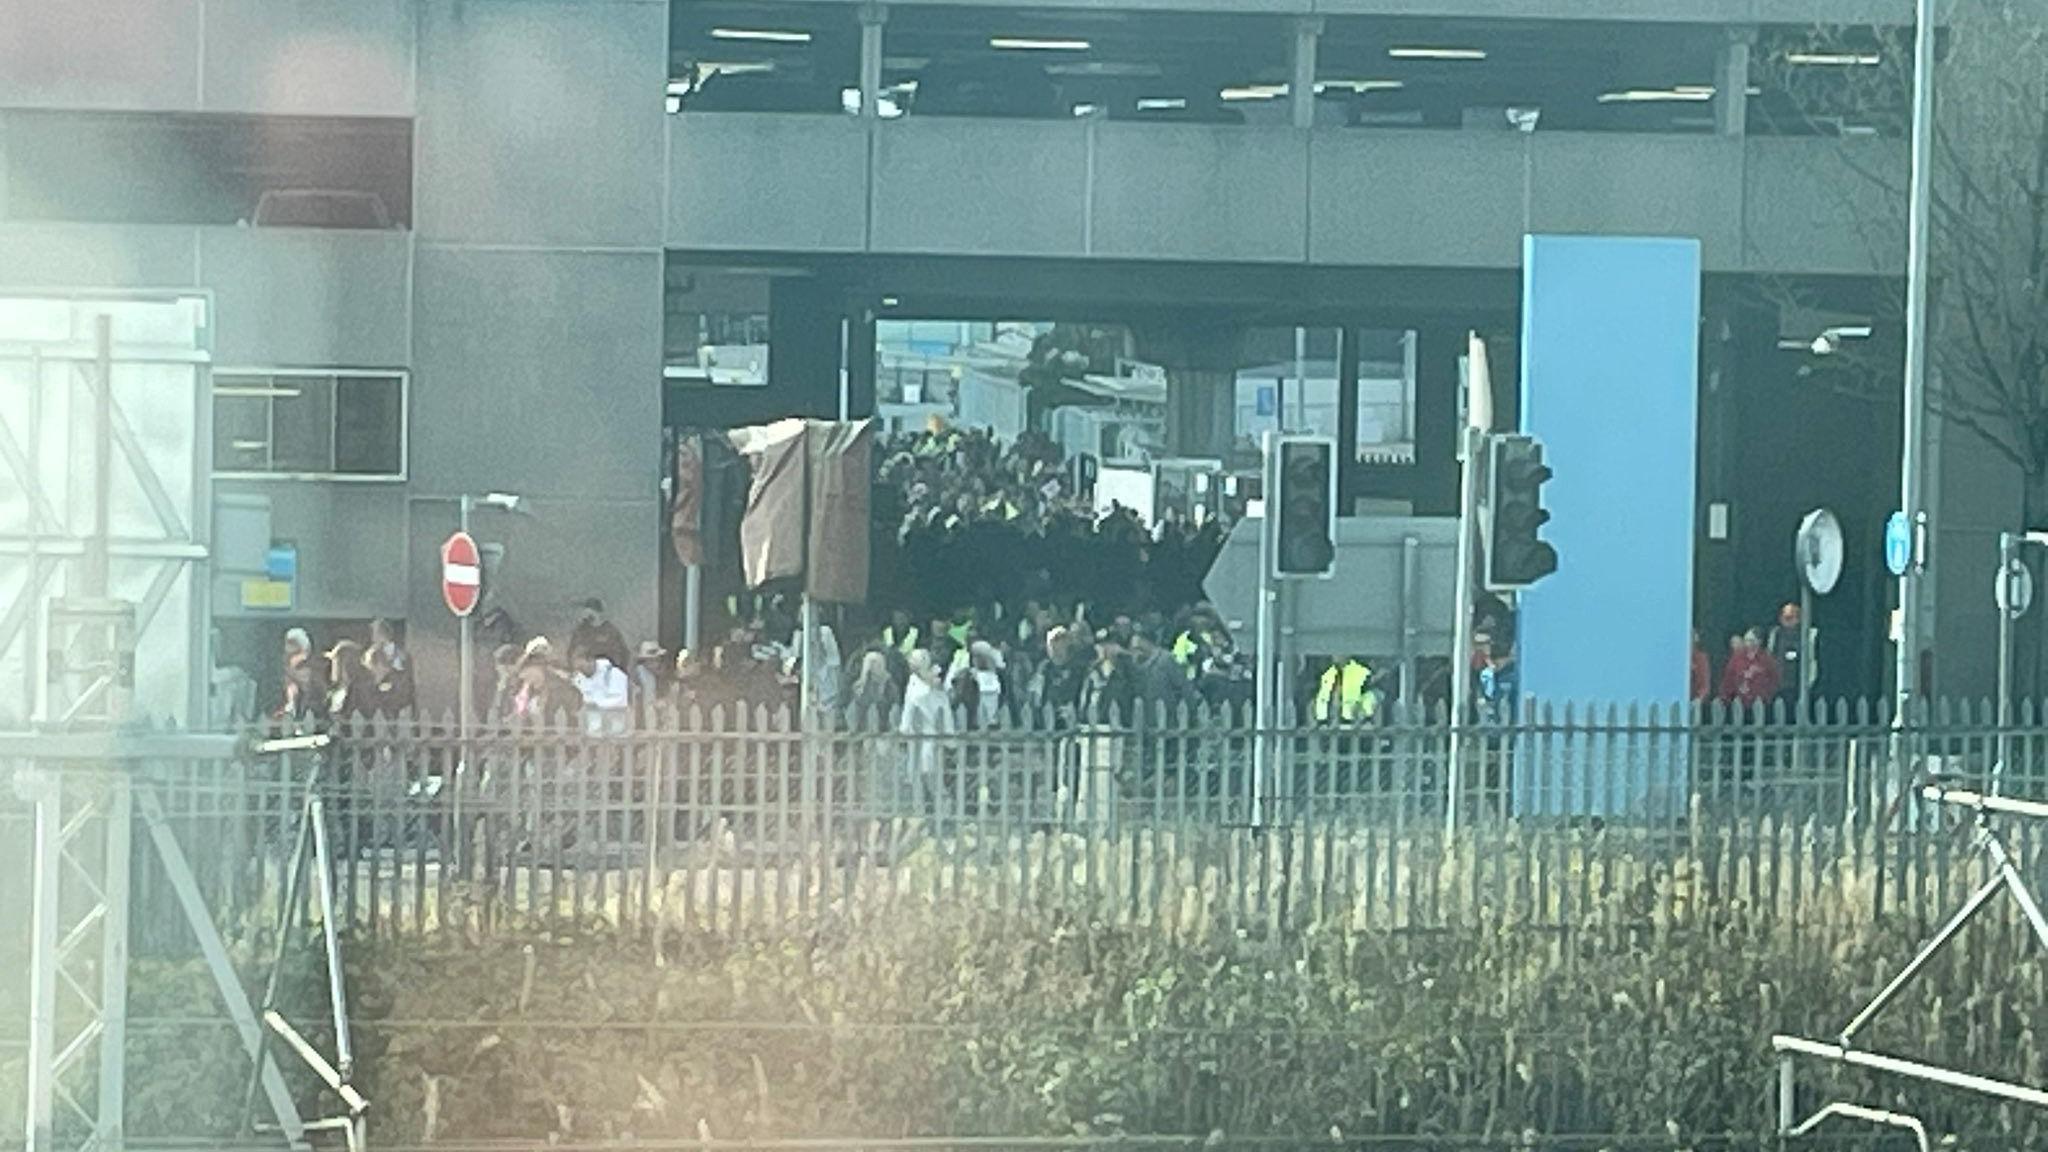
(1763, 668)
(964, 520)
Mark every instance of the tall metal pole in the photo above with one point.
(693, 595)
(1263, 688)
(1805, 650)
(1473, 439)
(1472, 443)
(464, 693)
(99, 549)
(1913, 424)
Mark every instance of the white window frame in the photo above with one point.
(402, 375)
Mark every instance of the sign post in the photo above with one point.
(461, 589)
(2013, 592)
(1263, 687)
(1473, 441)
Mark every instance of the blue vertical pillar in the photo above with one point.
(1610, 384)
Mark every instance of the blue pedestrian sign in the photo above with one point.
(1898, 544)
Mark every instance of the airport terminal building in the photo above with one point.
(460, 247)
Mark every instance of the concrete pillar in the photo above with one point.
(1200, 358)
(872, 18)
(1302, 91)
(1731, 82)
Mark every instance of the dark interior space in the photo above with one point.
(200, 169)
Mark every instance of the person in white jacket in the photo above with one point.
(927, 713)
(607, 693)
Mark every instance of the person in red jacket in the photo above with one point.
(1750, 677)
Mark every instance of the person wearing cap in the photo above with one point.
(650, 672)
(598, 636)
(1787, 645)
(305, 689)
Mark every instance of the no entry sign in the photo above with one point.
(462, 574)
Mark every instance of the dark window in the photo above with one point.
(310, 424)
(181, 168)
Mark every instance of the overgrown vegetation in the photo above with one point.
(941, 1021)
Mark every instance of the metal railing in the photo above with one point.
(729, 819)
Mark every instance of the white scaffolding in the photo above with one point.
(87, 790)
(2006, 879)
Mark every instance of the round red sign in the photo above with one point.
(462, 574)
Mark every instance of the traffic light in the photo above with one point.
(1305, 506)
(1516, 553)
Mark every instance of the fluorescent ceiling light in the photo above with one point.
(1086, 109)
(733, 68)
(1835, 59)
(1358, 86)
(257, 391)
(1694, 94)
(1420, 53)
(890, 301)
(1036, 44)
(673, 103)
(1161, 103)
(1115, 68)
(679, 87)
(1254, 92)
(765, 35)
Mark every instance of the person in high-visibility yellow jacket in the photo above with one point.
(1345, 694)
(901, 634)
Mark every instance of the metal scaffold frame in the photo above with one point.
(2006, 879)
(87, 791)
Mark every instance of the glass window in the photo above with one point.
(1286, 382)
(763, 57)
(716, 330)
(1386, 395)
(309, 424)
(1021, 63)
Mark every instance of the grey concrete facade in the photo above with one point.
(526, 299)
(525, 302)
(1329, 196)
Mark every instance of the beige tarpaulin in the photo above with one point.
(842, 471)
(808, 471)
(772, 532)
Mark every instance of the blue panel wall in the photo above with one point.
(1610, 383)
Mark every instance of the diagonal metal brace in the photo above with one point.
(1848, 1111)
(178, 870)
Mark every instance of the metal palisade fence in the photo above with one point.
(728, 820)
